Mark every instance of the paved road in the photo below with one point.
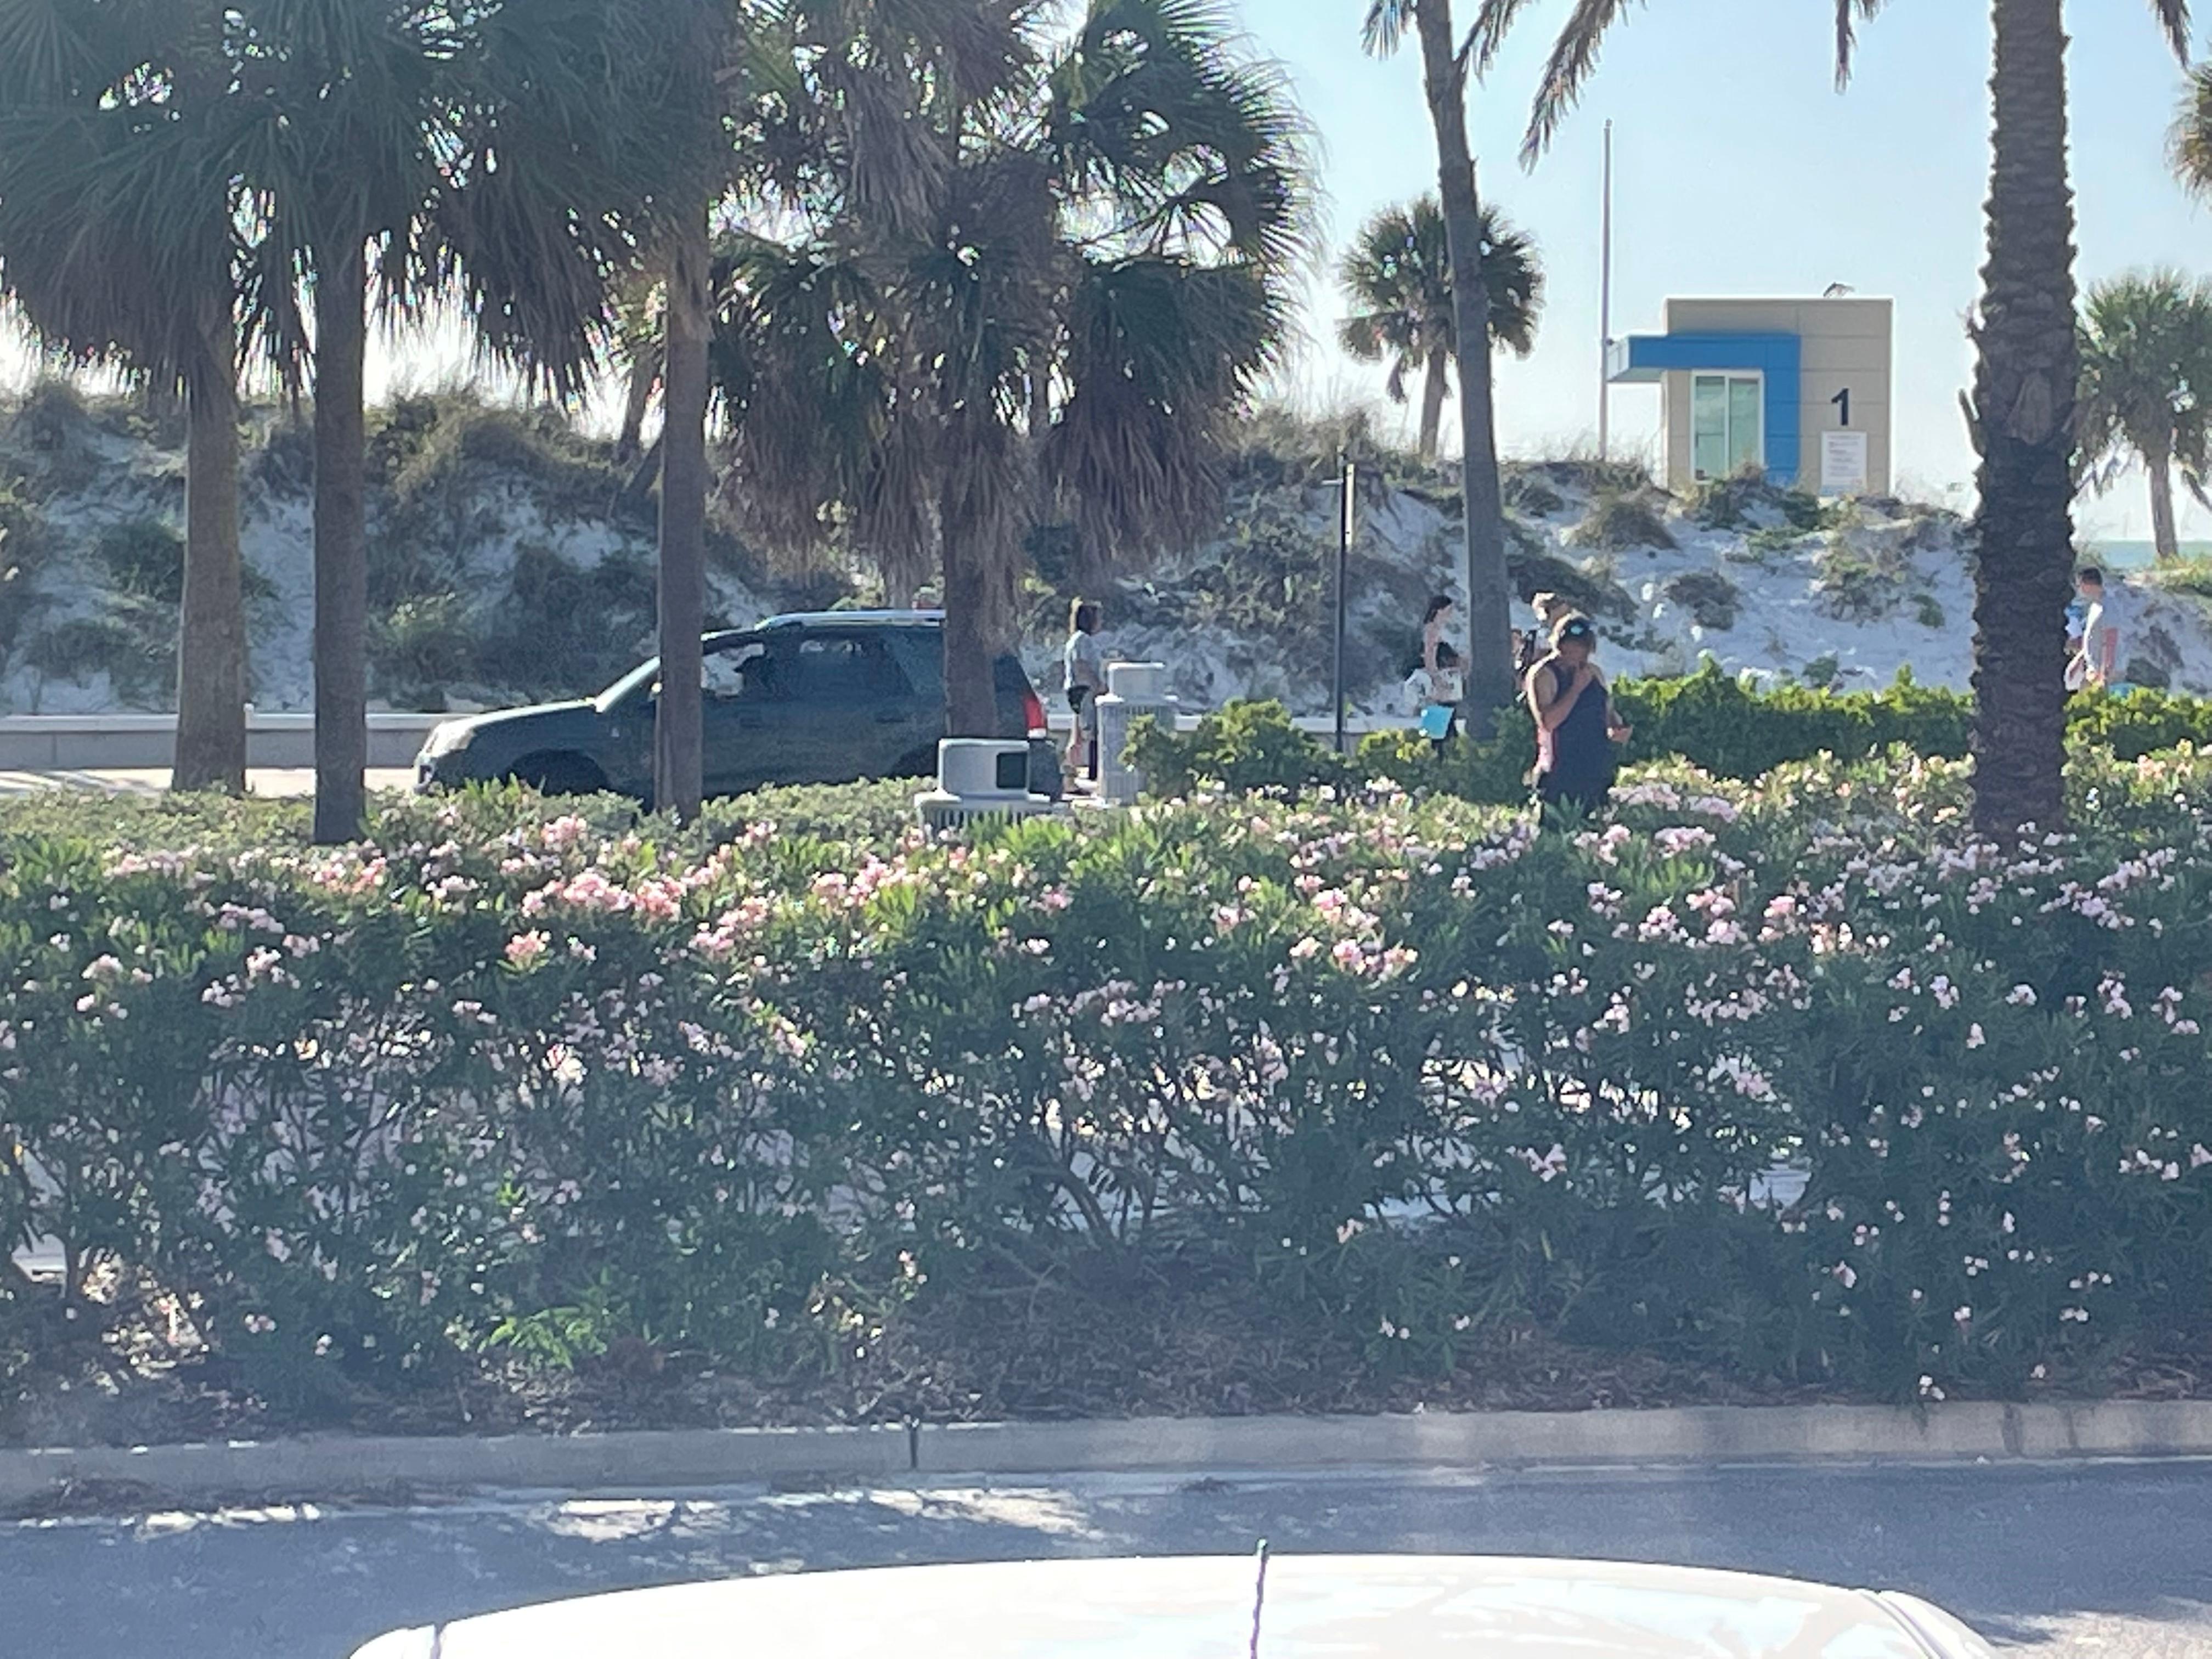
(152, 781)
(2112, 1561)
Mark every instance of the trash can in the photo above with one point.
(979, 778)
(1132, 689)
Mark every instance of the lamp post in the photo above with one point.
(1346, 485)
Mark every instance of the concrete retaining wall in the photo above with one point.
(98, 743)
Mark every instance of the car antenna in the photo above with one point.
(1259, 1598)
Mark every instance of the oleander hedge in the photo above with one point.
(509, 1077)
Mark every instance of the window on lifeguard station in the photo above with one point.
(1725, 416)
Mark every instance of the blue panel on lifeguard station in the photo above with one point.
(1645, 357)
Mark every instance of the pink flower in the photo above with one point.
(525, 951)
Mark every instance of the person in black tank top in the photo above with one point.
(1577, 728)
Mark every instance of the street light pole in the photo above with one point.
(1346, 481)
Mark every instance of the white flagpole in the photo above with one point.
(1605, 305)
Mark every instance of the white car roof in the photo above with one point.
(1399, 1607)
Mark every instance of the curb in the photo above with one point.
(324, 1466)
(328, 1466)
(1706, 1435)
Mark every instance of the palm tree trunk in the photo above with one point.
(2023, 417)
(677, 758)
(971, 703)
(2164, 538)
(1489, 682)
(644, 375)
(211, 630)
(341, 630)
(1433, 386)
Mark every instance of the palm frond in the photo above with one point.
(803, 376)
(1486, 37)
(1848, 15)
(2173, 17)
(113, 233)
(2189, 141)
(1574, 55)
(1161, 353)
(1168, 137)
(1385, 26)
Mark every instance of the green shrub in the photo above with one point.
(1494, 772)
(1804, 511)
(144, 557)
(1527, 494)
(1722, 724)
(2142, 723)
(1711, 599)
(564, 629)
(1244, 747)
(1532, 570)
(1859, 582)
(22, 555)
(420, 647)
(1717, 722)
(1728, 503)
(1621, 524)
(130, 640)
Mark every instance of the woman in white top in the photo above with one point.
(1086, 663)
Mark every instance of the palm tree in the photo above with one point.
(1489, 680)
(120, 242)
(1023, 275)
(1398, 275)
(498, 156)
(2021, 411)
(2146, 388)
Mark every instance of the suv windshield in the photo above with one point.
(640, 680)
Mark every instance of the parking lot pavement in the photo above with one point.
(2106, 1560)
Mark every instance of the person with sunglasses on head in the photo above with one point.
(1576, 726)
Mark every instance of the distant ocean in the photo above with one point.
(2137, 555)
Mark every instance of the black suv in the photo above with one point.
(832, 696)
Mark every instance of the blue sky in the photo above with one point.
(1739, 170)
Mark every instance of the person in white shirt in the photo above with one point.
(2104, 629)
(1085, 661)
